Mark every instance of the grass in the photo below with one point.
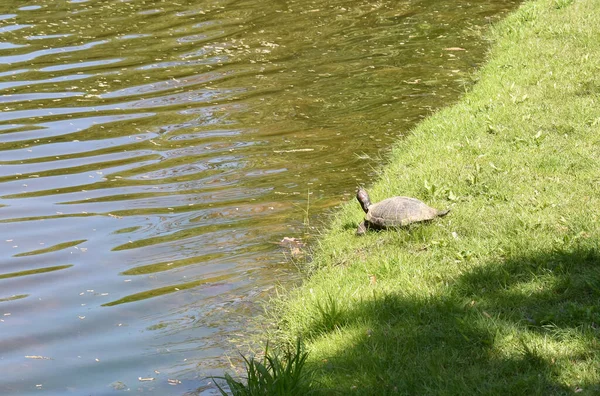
(502, 296)
(274, 374)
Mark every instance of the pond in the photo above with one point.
(154, 154)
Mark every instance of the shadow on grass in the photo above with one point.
(522, 326)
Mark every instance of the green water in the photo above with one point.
(153, 154)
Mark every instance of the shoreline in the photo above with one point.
(503, 294)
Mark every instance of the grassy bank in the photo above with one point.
(503, 294)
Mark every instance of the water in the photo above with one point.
(152, 154)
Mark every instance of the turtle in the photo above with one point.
(394, 212)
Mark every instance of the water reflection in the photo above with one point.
(152, 154)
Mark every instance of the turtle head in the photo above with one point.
(363, 198)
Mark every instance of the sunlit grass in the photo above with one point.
(275, 374)
(502, 296)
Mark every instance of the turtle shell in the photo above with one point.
(399, 212)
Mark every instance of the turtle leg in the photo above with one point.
(362, 228)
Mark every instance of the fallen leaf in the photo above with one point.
(289, 242)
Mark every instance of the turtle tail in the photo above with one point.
(442, 213)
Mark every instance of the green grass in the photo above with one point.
(274, 374)
(502, 296)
